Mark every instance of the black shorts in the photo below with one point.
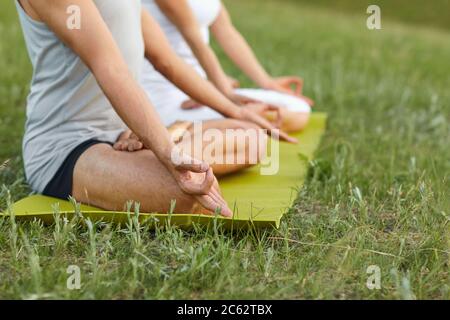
(61, 184)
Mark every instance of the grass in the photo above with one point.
(377, 193)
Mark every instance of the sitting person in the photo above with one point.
(187, 25)
(84, 98)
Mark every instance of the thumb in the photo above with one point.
(182, 161)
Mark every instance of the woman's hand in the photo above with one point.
(290, 85)
(233, 97)
(250, 114)
(241, 100)
(234, 83)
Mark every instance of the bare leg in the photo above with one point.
(250, 152)
(293, 121)
(108, 179)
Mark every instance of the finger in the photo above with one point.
(283, 136)
(218, 197)
(242, 100)
(124, 135)
(191, 187)
(279, 118)
(134, 145)
(224, 209)
(117, 146)
(192, 164)
(123, 146)
(211, 204)
(130, 146)
(298, 85)
(134, 136)
(295, 82)
(190, 104)
(280, 135)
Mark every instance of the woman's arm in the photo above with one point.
(239, 51)
(96, 47)
(186, 78)
(181, 15)
(165, 60)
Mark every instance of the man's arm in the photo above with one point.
(95, 46)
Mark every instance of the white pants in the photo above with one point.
(282, 100)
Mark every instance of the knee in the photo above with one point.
(262, 146)
(295, 121)
(253, 144)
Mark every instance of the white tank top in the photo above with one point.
(206, 12)
(66, 106)
(164, 95)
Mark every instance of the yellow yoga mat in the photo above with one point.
(258, 200)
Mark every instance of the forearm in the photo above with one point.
(133, 106)
(181, 74)
(187, 80)
(238, 50)
(209, 62)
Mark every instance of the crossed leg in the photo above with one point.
(292, 121)
(236, 150)
(106, 178)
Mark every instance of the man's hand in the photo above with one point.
(196, 178)
(128, 141)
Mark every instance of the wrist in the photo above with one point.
(228, 92)
(167, 157)
(241, 114)
(162, 148)
(266, 82)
